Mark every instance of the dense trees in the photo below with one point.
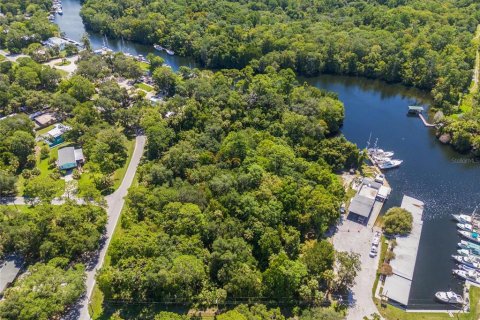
(397, 221)
(47, 231)
(426, 45)
(236, 178)
(24, 23)
(44, 291)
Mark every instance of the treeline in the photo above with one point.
(426, 44)
(235, 194)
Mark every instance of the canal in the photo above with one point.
(444, 180)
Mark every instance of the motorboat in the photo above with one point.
(465, 226)
(469, 246)
(170, 52)
(471, 275)
(472, 236)
(449, 297)
(380, 153)
(468, 253)
(468, 261)
(389, 164)
(462, 218)
(158, 47)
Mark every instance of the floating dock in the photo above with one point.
(397, 286)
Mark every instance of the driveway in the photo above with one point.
(70, 68)
(354, 237)
(115, 203)
(12, 57)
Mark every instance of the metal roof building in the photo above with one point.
(361, 205)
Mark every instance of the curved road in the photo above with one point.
(115, 203)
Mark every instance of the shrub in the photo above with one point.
(44, 152)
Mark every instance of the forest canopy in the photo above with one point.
(236, 193)
(426, 44)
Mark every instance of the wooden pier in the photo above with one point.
(425, 121)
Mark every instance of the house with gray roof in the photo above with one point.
(69, 158)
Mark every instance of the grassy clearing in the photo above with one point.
(45, 171)
(45, 130)
(63, 63)
(144, 87)
(2, 58)
(63, 73)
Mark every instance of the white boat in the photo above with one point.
(472, 276)
(158, 47)
(59, 11)
(462, 218)
(468, 261)
(380, 158)
(469, 246)
(472, 236)
(465, 226)
(389, 164)
(380, 152)
(170, 52)
(468, 253)
(449, 297)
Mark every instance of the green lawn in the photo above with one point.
(393, 313)
(45, 130)
(63, 63)
(45, 171)
(144, 87)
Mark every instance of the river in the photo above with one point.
(446, 181)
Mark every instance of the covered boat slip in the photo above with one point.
(397, 287)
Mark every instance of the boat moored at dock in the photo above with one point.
(449, 297)
(468, 261)
(472, 275)
(462, 218)
(472, 236)
(469, 246)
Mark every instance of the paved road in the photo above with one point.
(352, 236)
(12, 57)
(115, 203)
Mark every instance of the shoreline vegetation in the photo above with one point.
(424, 44)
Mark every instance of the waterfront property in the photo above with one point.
(397, 286)
(9, 270)
(56, 42)
(69, 158)
(368, 201)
